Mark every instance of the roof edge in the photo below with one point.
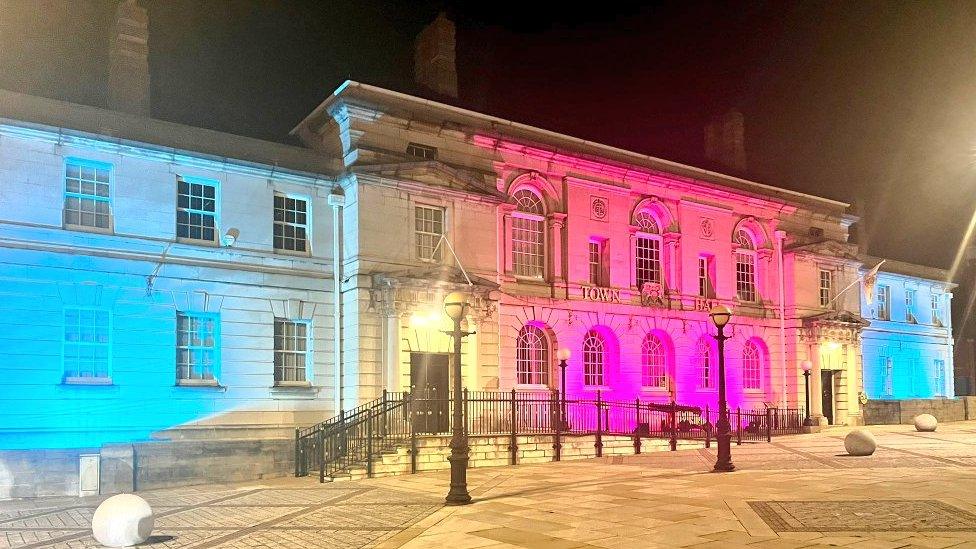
(352, 86)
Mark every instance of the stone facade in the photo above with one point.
(558, 242)
(74, 382)
(595, 211)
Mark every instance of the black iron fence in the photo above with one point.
(356, 437)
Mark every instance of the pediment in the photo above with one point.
(830, 248)
(437, 174)
(837, 317)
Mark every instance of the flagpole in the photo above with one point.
(860, 279)
(457, 260)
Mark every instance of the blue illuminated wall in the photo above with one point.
(907, 353)
(46, 268)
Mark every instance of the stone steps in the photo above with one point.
(493, 451)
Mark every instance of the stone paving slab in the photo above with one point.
(918, 490)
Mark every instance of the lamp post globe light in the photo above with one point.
(455, 306)
(806, 365)
(563, 355)
(720, 315)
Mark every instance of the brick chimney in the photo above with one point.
(725, 140)
(128, 72)
(434, 57)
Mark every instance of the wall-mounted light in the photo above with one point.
(230, 237)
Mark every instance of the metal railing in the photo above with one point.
(357, 437)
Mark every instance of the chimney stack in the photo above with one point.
(434, 57)
(725, 141)
(128, 73)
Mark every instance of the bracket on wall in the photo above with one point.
(151, 279)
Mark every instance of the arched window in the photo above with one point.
(745, 267)
(654, 372)
(703, 360)
(532, 356)
(528, 236)
(751, 366)
(647, 250)
(594, 358)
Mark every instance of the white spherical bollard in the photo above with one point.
(926, 423)
(122, 520)
(860, 442)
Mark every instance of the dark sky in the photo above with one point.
(867, 102)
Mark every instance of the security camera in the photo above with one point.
(230, 237)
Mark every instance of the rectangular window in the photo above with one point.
(197, 347)
(910, 306)
(428, 229)
(528, 243)
(87, 194)
(883, 298)
(706, 276)
(599, 274)
(940, 388)
(196, 209)
(826, 287)
(292, 351)
(425, 152)
(745, 276)
(936, 305)
(87, 346)
(290, 224)
(648, 261)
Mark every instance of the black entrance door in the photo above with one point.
(827, 392)
(429, 384)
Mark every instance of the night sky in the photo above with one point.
(868, 102)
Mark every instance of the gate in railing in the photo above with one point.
(357, 436)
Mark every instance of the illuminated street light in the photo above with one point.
(721, 315)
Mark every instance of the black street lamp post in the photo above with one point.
(720, 315)
(455, 305)
(806, 365)
(563, 355)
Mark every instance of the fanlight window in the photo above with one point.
(653, 362)
(645, 223)
(744, 240)
(532, 357)
(751, 366)
(528, 236)
(528, 202)
(703, 357)
(594, 357)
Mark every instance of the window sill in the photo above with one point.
(88, 229)
(200, 383)
(536, 280)
(293, 253)
(90, 381)
(531, 387)
(195, 242)
(597, 388)
(294, 389)
(647, 389)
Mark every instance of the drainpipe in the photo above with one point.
(337, 201)
(780, 237)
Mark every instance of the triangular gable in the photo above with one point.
(435, 173)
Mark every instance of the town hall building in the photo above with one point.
(168, 283)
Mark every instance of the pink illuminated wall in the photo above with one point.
(601, 201)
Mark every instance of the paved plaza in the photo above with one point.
(918, 490)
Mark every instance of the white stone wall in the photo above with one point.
(912, 349)
(45, 268)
